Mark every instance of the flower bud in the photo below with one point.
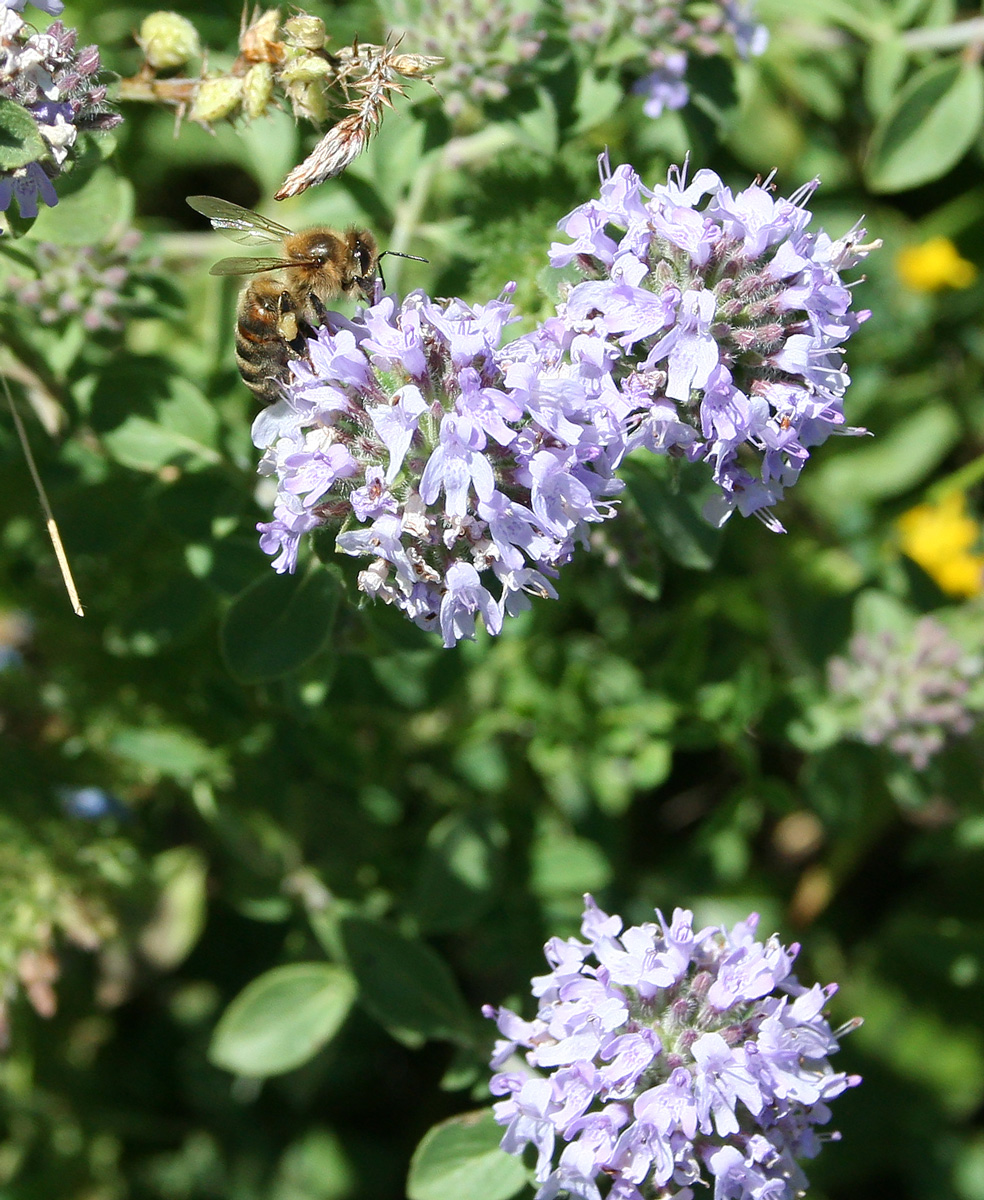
(413, 66)
(308, 101)
(216, 98)
(258, 42)
(168, 40)
(308, 68)
(257, 89)
(306, 32)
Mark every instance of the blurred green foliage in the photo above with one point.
(254, 967)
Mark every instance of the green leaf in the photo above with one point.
(889, 466)
(169, 615)
(884, 68)
(621, 50)
(93, 202)
(457, 871)
(314, 1167)
(179, 917)
(279, 623)
(461, 1159)
(878, 612)
(672, 512)
(282, 1019)
(598, 96)
(404, 984)
(929, 127)
(20, 142)
(539, 124)
(169, 753)
(907, 1034)
(563, 864)
(185, 431)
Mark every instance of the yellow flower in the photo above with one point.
(934, 265)
(939, 538)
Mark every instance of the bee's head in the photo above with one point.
(363, 258)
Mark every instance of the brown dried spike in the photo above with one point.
(341, 145)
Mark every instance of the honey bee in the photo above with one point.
(268, 336)
(318, 266)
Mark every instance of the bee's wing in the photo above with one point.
(248, 266)
(239, 224)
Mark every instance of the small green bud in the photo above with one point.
(306, 32)
(257, 89)
(308, 68)
(168, 40)
(309, 101)
(216, 98)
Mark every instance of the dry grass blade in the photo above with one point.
(51, 523)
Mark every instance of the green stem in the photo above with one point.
(958, 481)
(31, 371)
(457, 153)
(408, 213)
(947, 37)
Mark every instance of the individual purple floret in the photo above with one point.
(56, 84)
(27, 185)
(466, 471)
(52, 7)
(664, 1057)
(726, 318)
(664, 87)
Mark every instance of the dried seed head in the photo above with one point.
(168, 40)
(340, 146)
(215, 99)
(414, 66)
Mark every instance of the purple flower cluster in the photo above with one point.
(457, 465)
(664, 1057)
(710, 326)
(485, 45)
(905, 690)
(93, 284)
(57, 85)
(658, 38)
(727, 321)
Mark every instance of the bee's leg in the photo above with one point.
(318, 310)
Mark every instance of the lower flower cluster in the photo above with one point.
(664, 1057)
(465, 471)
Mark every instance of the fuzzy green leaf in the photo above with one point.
(282, 1019)
(929, 127)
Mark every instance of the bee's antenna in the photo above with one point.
(395, 254)
(400, 254)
